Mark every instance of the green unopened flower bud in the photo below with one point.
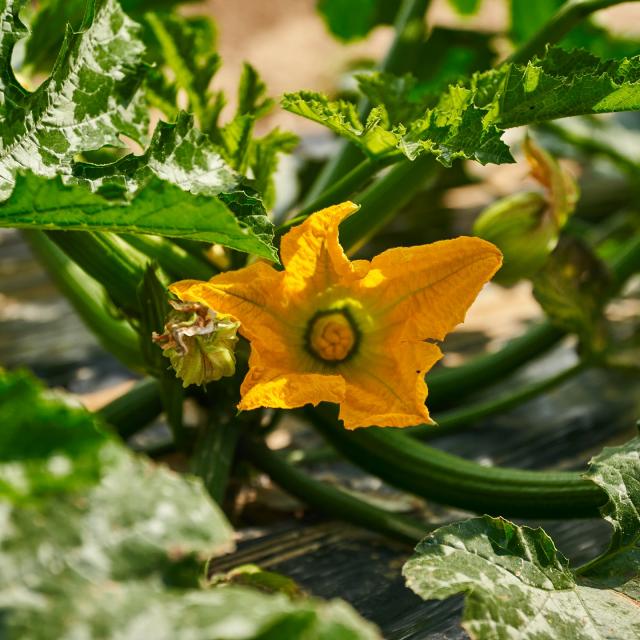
(526, 226)
(520, 227)
(199, 342)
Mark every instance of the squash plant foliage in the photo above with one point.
(97, 540)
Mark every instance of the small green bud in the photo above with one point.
(519, 227)
(526, 226)
(199, 342)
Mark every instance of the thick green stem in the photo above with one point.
(570, 14)
(339, 192)
(89, 298)
(330, 500)
(433, 474)
(134, 410)
(214, 452)
(449, 386)
(626, 263)
(173, 259)
(410, 30)
(107, 258)
(381, 201)
(458, 419)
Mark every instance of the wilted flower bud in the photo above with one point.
(526, 226)
(199, 342)
(572, 289)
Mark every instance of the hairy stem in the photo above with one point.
(380, 203)
(172, 258)
(340, 191)
(108, 259)
(330, 500)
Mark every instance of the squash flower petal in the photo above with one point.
(356, 333)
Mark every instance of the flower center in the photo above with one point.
(332, 335)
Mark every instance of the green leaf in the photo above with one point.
(516, 584)
(185, 47)
(559, 85)
(252, 90)
(53, 16)
(401, 95)
(467, 120)
(119, 554)
(159, 208)
(264, 158)
(91, 96)
(235, 141)
(141, 609)
(62, 450)
(454, 129)
(617, 471)
(353, 19)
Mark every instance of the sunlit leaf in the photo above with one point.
(517, 584)
(91, 96)
(468, 119)
(159, 208)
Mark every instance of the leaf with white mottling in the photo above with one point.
(178, 153)
(517, 585)
(118, 552)
(91, 96)
(617, 471)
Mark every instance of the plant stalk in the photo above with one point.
(570, 14)
(339, 192)
(381, 201)
(448, 479)
(214, 453)
(173, 259)
(410, 31)
(135, 409)
(330, 500)
(107, 258)
(458, 419)
(89, 298)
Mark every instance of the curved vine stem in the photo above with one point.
(331, 500)
(433, 474)
(458, 419)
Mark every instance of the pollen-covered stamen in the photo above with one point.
(332, 336)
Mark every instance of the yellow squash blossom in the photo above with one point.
(350, 332)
